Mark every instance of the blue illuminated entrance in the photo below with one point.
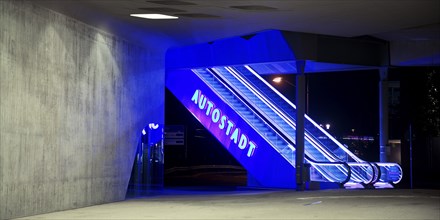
(254, 121)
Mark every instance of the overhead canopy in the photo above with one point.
(277, 51)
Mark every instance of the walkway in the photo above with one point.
(267, 204)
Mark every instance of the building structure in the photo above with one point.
(81, 79)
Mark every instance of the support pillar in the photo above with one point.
(299, 135)
(307, 94)
(383, 114)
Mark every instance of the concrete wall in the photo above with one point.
(73, 101)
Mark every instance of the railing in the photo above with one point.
(365, 172)
(384, 172)
(281, 142)
(335, 163)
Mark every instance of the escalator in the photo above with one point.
(219, 83)
(245, 78)
(257, 125)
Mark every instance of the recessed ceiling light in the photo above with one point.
(154, 16)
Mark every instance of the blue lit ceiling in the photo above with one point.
(275, 52)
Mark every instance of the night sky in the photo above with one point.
(345, 100)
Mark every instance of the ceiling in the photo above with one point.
(207, 20)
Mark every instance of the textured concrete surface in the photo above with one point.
(73, 101)
(262, 204)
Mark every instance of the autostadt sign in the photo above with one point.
(264, 164)
(227, 126)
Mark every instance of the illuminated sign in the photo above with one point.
(263, 162)
(228, 127)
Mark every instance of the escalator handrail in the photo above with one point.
(338, 162)
(308, 118)
(281, 113)
(327, 153)
(387, 164)
(379, 172)
(243, 101)
(348, 176)
(374, 176)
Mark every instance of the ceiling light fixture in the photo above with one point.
(154, 16)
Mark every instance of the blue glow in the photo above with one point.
(224, 94)
(237, 135)
(268, 46)
(262, 160)
(288, 67)
(153, 126)
(204, 99)
(267, 52)
(432, 60)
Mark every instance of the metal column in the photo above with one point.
(299, 135)
(383, 114)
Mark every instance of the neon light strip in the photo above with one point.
(288, 101)
(278, 112)
(323, 153)
(216, 70)
(263, 98)
(196, 71)
(389, 165)
(287, 119)
(324, 174)
(349, 153)
(311, 140)
(306, 116)
(354, 175)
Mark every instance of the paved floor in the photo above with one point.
(266, 204)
